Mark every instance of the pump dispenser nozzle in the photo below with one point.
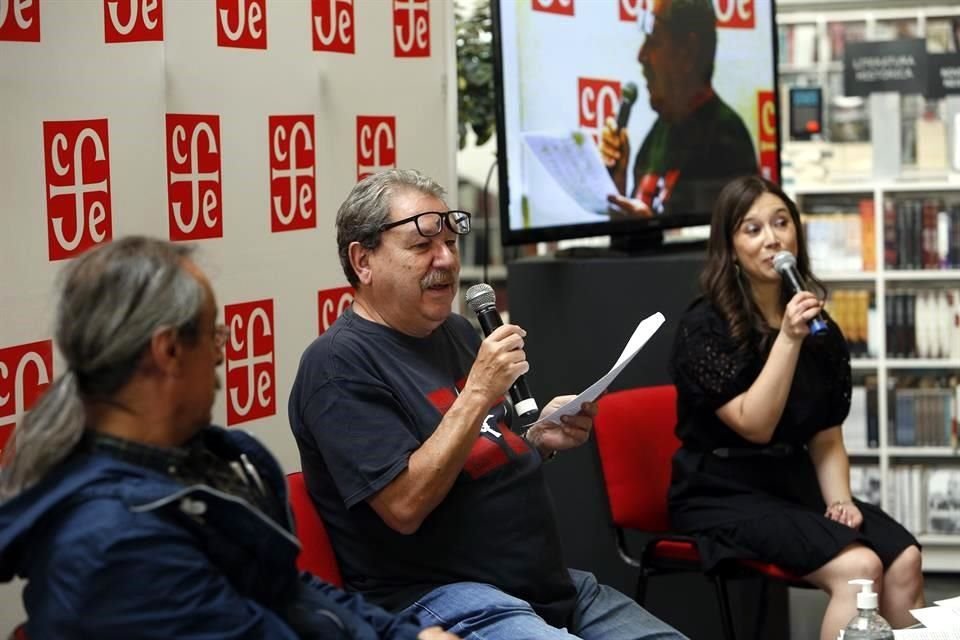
(867, 598)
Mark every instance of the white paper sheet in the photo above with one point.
(574, 162)
(939, 618)
(641, 335)
(925, 634)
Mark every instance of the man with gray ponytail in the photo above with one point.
(126, 512)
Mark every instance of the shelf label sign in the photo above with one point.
(944, 69)
(892, 65)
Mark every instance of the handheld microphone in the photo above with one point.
(786, 265)
(482, 301)
(628, 96)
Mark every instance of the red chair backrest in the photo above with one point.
(636, 443)
(317, 555)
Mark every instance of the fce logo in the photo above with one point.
(292, 173)
(332, 25)
(598, 99)
(25, 373)
(767, 134)
(77, 167)
(561, 7)
(251, 374)
(330, 304)
(193, 177)
(411, 29)
(630, 9)
(20, 20)
(242, 24)
(376, 144)
(735, 14)
(132, 20)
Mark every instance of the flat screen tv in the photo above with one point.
(697, 109)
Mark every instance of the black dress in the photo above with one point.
(762, 502)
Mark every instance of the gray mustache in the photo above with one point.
(435, 278)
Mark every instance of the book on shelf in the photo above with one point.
(855, 425)
(865, 483)
(943, 500)
(923, 323)
(921, 234)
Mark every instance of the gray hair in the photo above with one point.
(367, 207)
(113, 299)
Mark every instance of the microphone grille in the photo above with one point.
(784, 260)
(629, 92)
(480, 296)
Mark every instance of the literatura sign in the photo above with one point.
(944, 74)
(893, 65)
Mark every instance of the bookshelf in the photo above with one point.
(911, 481)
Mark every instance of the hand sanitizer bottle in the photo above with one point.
(867, 624)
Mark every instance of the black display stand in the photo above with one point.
(579, 314)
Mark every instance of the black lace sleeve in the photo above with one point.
(705, 365)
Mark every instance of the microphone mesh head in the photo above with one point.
(784, 260)
(629, 92)
(480, 296)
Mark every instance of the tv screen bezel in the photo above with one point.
(613, 228)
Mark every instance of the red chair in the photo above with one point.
(317, 555)
(635, 440)
(20, 633)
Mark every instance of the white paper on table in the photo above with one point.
(641, 335)
(925, 634)
(941, 618)
(573, 161)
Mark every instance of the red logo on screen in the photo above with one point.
(376, 144)
(20, 20)
(292, 173)
(193, 177)
(242, 24)
(331, 303)
(598, 100)
(561, 7)
(630, 9)
(132, 20)
(767, 110)
(77, 166)
(251, 375)
(735, 14)
(411, 29)
(25, 373)
(333, 25)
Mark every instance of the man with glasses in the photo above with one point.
(433, 504)
(126, 512)
(697, 142)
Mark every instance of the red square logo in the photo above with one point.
(560, 7)
(25, 373)
(77, 168)
(242, 24)
(767, 112)
(132, 21)
(251, 372)
(292, 173)
(735, 14)
(411, 28)
(193, 177)
(331, 303)
(332, 25)
(630, 9)
(376, 144)
(20, 20)
(598, 99)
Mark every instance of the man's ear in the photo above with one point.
(165, 351)
(360, 261)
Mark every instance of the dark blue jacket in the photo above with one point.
(115, 550)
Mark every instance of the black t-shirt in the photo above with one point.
(364, 399)
(681, 167)
(709, 370)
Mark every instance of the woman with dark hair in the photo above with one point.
(762, 472)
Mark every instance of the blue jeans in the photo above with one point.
(476, 611)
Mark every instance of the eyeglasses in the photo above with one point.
(431, 223)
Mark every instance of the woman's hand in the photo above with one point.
(801, 309)
(845, 513)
